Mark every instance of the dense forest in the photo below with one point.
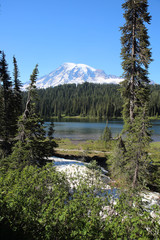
(88, 99)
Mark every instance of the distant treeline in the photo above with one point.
(88, 100)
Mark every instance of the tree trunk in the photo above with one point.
(132, 91)
(22, 134)
(135, 178)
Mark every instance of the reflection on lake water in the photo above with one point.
(85, 130)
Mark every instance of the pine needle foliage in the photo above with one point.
(33, 147)
(7, 123)
(17, 90)
(51, 130)
(107, 135)
(136, 56)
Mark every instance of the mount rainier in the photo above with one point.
(69, 73)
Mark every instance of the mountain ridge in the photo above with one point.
(69, 73)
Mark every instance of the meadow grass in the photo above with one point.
(80, 147)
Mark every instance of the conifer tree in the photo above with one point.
(6, 108)
(17, 90)
(136, 56)
(51, 130)
(107, 135)
(133, 159)
(32, 147)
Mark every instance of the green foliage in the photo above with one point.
(51, 130)
(17, 90)
(131, 220)
(11, 105)
(95, 101)
(136, 57)
(106, 136)
(154, 167)
(39, 203)
(116, 162)
(130, 158)
(28, 196)
(137, 157)
(33, 147)
(94, 166)
(154, 103)
(7, 117)
(85, 100)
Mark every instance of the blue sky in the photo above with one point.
(52, 32)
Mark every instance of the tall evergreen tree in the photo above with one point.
(136, 56)
(17, 90)
(32, 147)
(6, 109)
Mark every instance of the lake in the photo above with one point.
(85, 130)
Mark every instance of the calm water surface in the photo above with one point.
(85, 130)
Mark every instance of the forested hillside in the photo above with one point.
(88, 99)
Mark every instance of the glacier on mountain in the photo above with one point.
(69, 73)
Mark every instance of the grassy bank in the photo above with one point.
(80, 117)
(97, 147)
(95, 118)
(155, 152)
(83, 148)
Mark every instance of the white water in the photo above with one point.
(74, 167)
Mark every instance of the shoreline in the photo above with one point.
(86, 159)
(91, 118)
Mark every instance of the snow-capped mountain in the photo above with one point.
(75, 73)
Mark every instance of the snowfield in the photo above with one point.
(70, 73)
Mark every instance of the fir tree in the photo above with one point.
(32, 147)
(17, 90)
(6, 108)
(107, 135)
(51, 130)
(136, 57)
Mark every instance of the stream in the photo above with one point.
(62, 163)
